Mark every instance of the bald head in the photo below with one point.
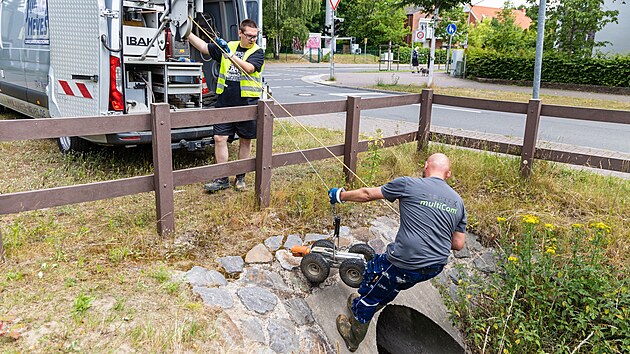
(437, 165)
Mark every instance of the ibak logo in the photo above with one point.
(438, 205)
(138, 41)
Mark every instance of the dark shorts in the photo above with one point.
(245, 130)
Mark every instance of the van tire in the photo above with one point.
(70, 144)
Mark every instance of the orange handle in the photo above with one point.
(300, 251)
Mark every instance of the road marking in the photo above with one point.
(452, 108)
(356, 94)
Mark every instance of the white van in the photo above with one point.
(68, 58)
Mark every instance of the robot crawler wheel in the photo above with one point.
(364, 249)
(351, 272)
(315, 268)
(323, 243)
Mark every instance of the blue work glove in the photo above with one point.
(334, 194)
(223, 44)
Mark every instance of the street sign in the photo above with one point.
(334, 4)
(451, 29)
(419, 36)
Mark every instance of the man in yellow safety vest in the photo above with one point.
(239, 84)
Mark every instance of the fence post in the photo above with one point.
(1, 249)
(351, 143)
(531, 135)
(424, 123)
(163, 168)
(264, 144)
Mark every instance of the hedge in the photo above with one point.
(613, 71)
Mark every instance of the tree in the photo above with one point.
(379, 21)
(429, 6)
(502, 34)
(571, 25)
(457, 16)
(281, 17)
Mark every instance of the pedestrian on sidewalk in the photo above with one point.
(414, 60)
(432, 223)
(235, 88)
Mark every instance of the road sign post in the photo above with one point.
(450, 29)
(333, 4)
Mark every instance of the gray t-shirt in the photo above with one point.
(430, 211)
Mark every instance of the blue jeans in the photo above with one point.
(382, 281)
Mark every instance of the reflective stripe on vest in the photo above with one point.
(251, 86)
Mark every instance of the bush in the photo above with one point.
(555, 290)
(613, 71)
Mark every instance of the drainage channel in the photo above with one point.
(402, 330)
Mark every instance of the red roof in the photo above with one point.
(479, 13)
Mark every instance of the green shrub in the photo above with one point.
(555, 290)
(604, 71)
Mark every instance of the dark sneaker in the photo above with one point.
(217, 185)
(239, 183)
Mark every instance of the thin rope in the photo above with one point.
(297, 121)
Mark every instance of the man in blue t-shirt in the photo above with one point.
(432, 223)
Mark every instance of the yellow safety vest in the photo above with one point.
(251, 85)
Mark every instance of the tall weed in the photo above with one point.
(556, 291)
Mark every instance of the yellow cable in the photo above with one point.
(295, 119)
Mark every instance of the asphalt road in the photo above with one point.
(296, 84)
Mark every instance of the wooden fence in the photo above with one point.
(161, 121)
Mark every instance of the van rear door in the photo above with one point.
(75, 57)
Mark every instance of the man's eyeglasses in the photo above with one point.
(251, 38)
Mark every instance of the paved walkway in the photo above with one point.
(369, 125)
(370, 76)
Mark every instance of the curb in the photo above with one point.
(332, 84)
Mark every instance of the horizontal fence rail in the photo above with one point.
(161, 121)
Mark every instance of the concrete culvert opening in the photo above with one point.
(402, 330)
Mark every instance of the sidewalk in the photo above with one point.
(388, 127)
(441, 79)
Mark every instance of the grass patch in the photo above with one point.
(506, 96)
(107, 267)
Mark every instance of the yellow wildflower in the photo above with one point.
(531, 219)
(512, 259)
(577, 226)
(551, 250)
(501, 219)
(549, 226)
(600, 226)
(517, 341)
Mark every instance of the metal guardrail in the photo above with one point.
(161, 120)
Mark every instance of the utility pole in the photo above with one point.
(540, 37)
(277, 41)
(432, 53)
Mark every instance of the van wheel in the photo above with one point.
(68, 144)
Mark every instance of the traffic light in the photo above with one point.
(338, 22)
(326, 30)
